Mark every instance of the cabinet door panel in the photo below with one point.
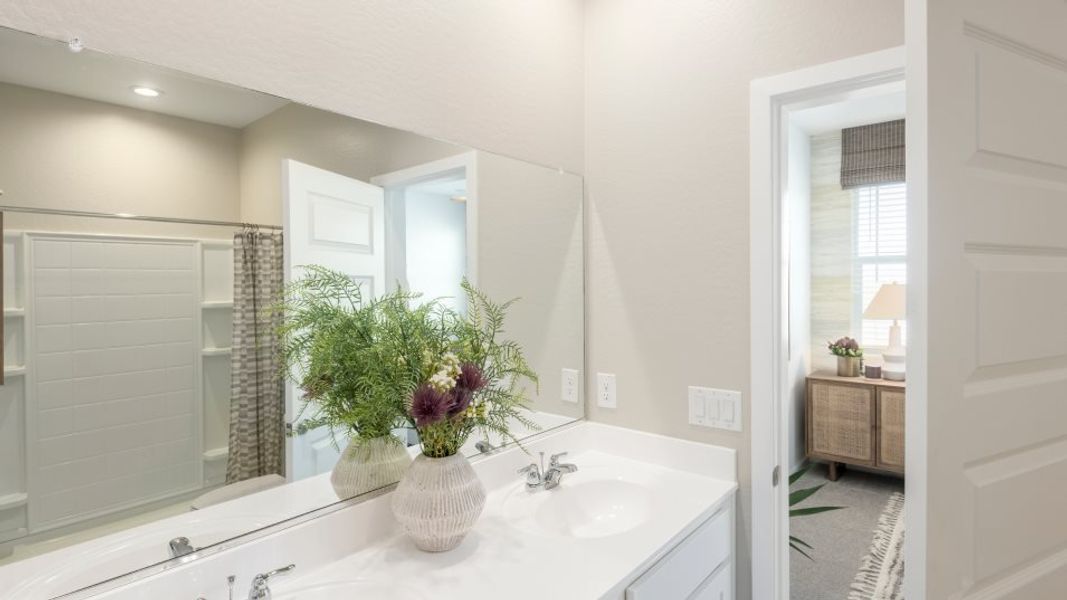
(841, 423)
(891, 429)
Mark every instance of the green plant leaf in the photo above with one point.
(798, 496)
(796, 546)
(795, 477)
(795, 540)
(812, 510)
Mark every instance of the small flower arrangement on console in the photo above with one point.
(845, 346)
(849, 356)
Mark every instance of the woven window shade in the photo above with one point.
(872, 154)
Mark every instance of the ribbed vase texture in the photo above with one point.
(848, 366)
(366, 465)
(438, 501)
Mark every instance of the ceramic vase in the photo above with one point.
(848, 366)
(438, 501)
(366, 465)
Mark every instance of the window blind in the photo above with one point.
(872, 154)
(881, 244)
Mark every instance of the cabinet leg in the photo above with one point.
(834, 474)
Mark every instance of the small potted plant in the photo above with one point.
(357, 361)
(849, 356)
(474, 382)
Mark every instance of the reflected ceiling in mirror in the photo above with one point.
(142, 417)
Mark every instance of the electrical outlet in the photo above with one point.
(605, 390)
(569, 386)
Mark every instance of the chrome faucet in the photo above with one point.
(485, 447)
(260, 583)
(537, 477)
(180, 546)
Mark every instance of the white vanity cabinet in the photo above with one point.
(700, 567)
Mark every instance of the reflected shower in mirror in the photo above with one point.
(152, 222)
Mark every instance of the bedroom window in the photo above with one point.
(879, 255)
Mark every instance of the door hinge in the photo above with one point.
(776, 475)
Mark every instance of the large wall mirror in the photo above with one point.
(149, 218)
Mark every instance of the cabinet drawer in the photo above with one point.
(717, 587)
(689, 564)
(841, 422)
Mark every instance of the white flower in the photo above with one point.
(444, 379)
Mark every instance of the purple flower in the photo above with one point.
(470, 378)
(461, 399)
(429, 406)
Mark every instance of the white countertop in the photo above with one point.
(500, 554)
(79, 565)
(357, 550)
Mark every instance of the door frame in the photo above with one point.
(771, 100)
(394, 182)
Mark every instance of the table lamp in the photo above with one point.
(888, 304)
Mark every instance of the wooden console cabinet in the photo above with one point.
(855, 421)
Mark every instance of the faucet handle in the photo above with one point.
(260, 588)
(530, 468)
(553, 461)
(280, 571)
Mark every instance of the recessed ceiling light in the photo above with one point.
(145, 91)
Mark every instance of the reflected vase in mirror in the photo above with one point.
(475, 384)
(352, 359)
(368, 465)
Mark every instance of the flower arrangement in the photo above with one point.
(846, 347)
(357, 360)
(369, 365)
(477, 383)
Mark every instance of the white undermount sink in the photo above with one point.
(594, 502)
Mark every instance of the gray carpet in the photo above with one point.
(841, 538)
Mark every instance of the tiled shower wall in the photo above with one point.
(113, 413)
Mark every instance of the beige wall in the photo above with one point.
(530, 247)
(59, 151)
(358, 149)
(501, 76)
(667, 181)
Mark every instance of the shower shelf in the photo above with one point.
(15, 312)
(220, 304)
(14, 371)
(215, 351)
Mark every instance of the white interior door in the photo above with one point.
(337, 222)
(987, 83)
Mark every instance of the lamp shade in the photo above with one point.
(888, 303)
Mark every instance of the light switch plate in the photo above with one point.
(605, 390)
(710, 407)
(569, 386)
(698, 411)
(728, 403)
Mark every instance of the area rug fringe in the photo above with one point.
(881, 572)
